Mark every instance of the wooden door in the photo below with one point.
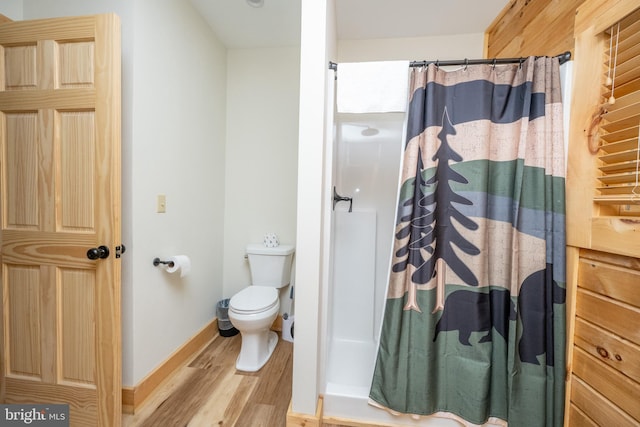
(60, 197)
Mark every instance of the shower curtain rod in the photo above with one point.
(563, 57)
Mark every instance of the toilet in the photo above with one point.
(253, 309)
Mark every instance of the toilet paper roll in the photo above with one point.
(181, 263)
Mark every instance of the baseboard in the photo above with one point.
(348, 422)
(133, 397)
(305, 420)
(277, 324)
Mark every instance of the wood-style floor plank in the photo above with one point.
(186, 400)
(221, 351)
(225, 403)
(259, 415)
(209, 391)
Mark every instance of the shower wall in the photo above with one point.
(367, 169)
(366, 164)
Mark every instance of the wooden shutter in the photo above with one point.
(603, 212)
(618, 181)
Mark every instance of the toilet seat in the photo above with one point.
(253, 300)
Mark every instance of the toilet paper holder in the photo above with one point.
(158, 261)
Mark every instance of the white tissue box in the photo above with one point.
(271, 240)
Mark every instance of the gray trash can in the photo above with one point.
(225, 328)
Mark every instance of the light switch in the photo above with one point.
(161, 203)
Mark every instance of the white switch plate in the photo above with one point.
(161, 203)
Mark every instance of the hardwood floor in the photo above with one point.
(210, 392)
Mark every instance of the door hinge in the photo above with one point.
(120, 250)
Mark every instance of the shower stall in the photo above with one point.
(366, 153)
(362, 174)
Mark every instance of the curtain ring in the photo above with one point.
(520, 65)
(495, 60)
(466, 63)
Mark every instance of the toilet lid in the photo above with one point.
(254, 299)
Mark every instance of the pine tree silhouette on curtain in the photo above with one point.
(418, 228)
(444, 235)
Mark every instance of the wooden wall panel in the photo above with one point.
(611, 349)
(595, 406)
(525, 27)
(615, 282)
(616, 317)
(604, 370)
(610, 259)
(614, 386)
(579, 418)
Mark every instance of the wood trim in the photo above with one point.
(277, 324)
(572, 262)
(348, 422)
(581, 166)
(108, 125)
(133, 397)
(4, 19)
(595, 16)
(305, 420)
(616, 235)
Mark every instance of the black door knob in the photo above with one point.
(101, 252)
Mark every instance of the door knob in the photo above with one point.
(101, 252)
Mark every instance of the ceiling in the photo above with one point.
(277, 23)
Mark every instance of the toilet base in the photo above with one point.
(247, 360)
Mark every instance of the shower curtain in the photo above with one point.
(474, 322)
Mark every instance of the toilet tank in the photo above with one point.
(270, 266)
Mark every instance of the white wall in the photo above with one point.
(178, 150)
(313, 82)
(329, 175)
(12, 9)
(261, 156)
(173, 136)
(458, 46)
